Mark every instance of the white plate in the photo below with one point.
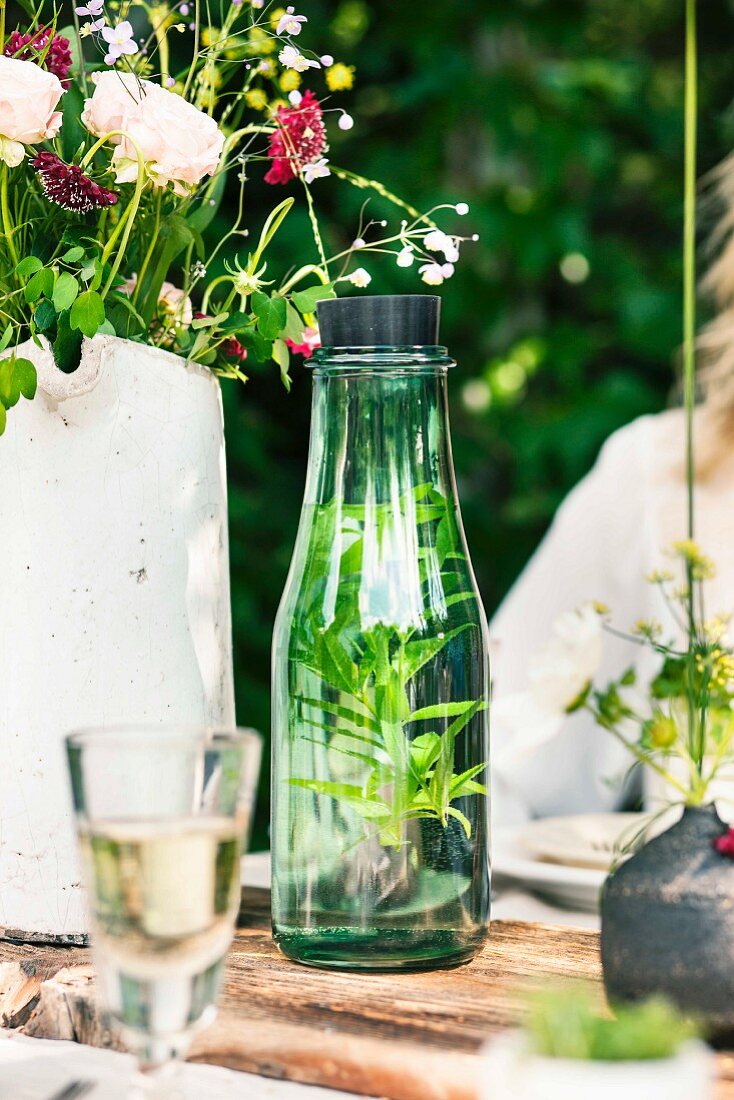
(581, 840)
(571, 887)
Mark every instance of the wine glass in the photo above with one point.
(162, 817)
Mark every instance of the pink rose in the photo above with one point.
(28, 99)
(179, 143)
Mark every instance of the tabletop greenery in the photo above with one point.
(566, 1023)
(119, 135)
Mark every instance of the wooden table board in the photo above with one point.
(403, 1036)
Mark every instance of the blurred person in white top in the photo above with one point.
(609, 534)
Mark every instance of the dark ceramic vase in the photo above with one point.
(668, 922)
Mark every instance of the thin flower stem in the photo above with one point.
(696, 737)
(5, 211)
(195, 53)
(152, 246)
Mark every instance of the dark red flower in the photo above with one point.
(233, 349)
(66, 185)
(724, 844)
(300, 139)
(30, 47)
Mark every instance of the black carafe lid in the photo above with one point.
(379, 320)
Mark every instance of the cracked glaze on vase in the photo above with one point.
(668, 921)
(113, 523)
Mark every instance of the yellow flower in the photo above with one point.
(210, 36)
(256, 98)
(290, 80)
(260, 42)
(340, 78)
(702, 568)
(647, 628)
(662, 731)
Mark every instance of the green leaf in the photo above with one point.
(17, 378)
(464, 783)
(271, 227)
(65, 291)
(282, 357)
(174, 236)
(348, 714)
(42, 283)
(73, 254)
(371, 809)
(73, 133)
(124, 316)
(236, 323)
(306, 300)
(5, 340)
(44, 315)
(25, 377)
(441, 710)
(270, 313)
(419, 653)
(3, 418)
(67, 345)
(28, 266)
(204, 214)
(464, 821)
(293, 324)
(424, 752)
(87, 312)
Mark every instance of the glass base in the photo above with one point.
(379, 949)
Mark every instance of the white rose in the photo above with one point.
(179, 143)
(564, 667)
(28, 99)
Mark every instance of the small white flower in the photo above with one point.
(184, 9)
(359, 243)
(345, 121)
(448, 270)
(315, 171)
(119, 41)
(563, 668)
(290, 23)
(437, 241)
(405, 257)
(93, 8)
(294, 98)
(360, 277)
(462, 208)
(91, 27)
(327, 60)
(432, 274)
(291, 58)
(258, 3)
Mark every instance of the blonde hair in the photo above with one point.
(716, 340)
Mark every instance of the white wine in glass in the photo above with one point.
(162, 820)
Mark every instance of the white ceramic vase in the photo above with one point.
(509, 1072)
(113, 528)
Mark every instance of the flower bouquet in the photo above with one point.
(122, 134)
(132, 273)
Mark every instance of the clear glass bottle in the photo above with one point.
(380, 666)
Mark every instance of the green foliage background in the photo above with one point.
(560, 122)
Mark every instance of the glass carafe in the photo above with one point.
(380, 666)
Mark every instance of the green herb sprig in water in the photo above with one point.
(399, 757)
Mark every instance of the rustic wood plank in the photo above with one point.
(402, 1036)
